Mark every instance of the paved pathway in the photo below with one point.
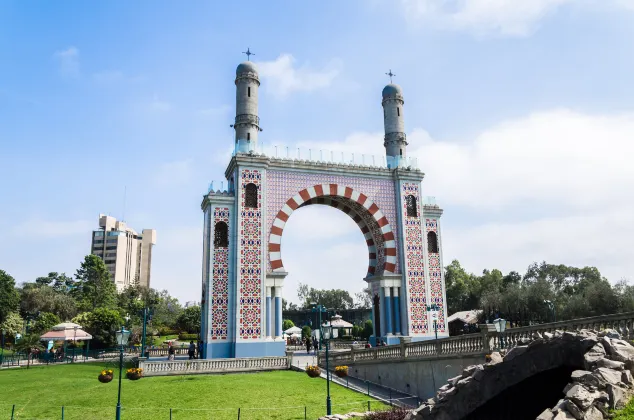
(385, 394)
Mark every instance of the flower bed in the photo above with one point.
(134, 374)
(313, 371)
(105, 376)
(341, 371)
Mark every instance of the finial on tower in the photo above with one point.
(248, 53)
(391, 75)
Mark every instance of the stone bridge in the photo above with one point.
(539, 364)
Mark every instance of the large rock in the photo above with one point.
(581, 396)
(611, 364)
(607, 376)
(593, 413)
(514, 352)
(468, 371)
(563, 415)
(546, 415)
(595, 353)
(573, 409)
(617, 395)
(619, 350)
(626, 377)
(610, 333)
(496, 358)
(585, 377)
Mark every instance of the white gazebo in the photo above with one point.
(66, 331)
(338, 322)
(293, 330)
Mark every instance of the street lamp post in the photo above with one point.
(328, 333)
(122, 340)
(500, 326)
(74, 342)
(434, 314)
(551, 306)
(320, 309)
(2, 351)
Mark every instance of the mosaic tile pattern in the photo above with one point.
(250, 276)
(220, 284)
(435, 275)
(282, 185)
(414, 263)
(204, 305)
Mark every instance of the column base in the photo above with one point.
(219, 350)
(260, 349)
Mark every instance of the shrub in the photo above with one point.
(346, 337)
(393, 414)
(187, 337)
(167, 331)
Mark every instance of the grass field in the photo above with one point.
(40, 393)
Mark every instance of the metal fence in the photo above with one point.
(297, 412)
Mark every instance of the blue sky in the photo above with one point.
(521, 113)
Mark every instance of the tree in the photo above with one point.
(44, 322)
(457, 287)
(306, 332)
(29, 344)
(286, 306)
(13, 324)
(332, 299)
(102, 324)
(189, 320)
(166, 310)
(34, 299)
(363, 299)
(286, 324)
(9, 297)
(368, 329)
(94, 288)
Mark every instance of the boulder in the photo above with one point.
(514, 352)
(593, 414)
(619, 350)
(496, 358)
(464, 382)
(617, 395)
(610, 364)
(585, 377)
(626, 377)
(547, 335)
(468, 371)
(610, 333)
(573, 409)
(581, 396)
(546, 415)
(595, 353)
(563, 415)
(607, 376)
(453, 381)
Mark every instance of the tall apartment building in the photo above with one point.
(127, 254)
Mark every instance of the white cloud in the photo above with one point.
(283, 77)
(37, 227)
(68, 60)
(174, 173)
(483, 17)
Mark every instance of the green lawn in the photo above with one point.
(625, 414)
(40, 392)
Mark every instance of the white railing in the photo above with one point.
(192, 367)
(324, 156)
(480, 343)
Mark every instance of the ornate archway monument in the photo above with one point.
(243, 246)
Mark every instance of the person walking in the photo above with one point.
(308, 345)
(192, 350)
(170, 351)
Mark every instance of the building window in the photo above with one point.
(401, 150)
(112, 241)
(249, 91)
(412, 209)
(110, 248)
(432, 243)
(221, 235)
(248, 136)
(398, 111)
(251, 196)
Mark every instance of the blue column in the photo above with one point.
(278, 312)
(268, 312)
(382, 312)
(397, 311)
(388, 310)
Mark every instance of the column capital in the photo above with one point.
(268, 291)
(388, 291)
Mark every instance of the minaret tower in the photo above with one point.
(247, 124)
(394, 141)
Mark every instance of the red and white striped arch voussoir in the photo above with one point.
(332, 190)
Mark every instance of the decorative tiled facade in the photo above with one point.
(250, 259)
(219, 300)
(283, 185)
(435, 275)
(414, 262)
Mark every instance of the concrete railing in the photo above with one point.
(207, 366)
(476, 344)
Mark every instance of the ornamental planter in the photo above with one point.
(104, 379)
(341, 373)
(313, 371)
(133, 376)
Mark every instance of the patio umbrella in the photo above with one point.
(293, 330)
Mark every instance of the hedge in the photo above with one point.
(187, 337)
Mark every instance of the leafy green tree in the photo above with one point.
(12, 325)
(368, 329)
(9, 297)
(286, 324)
(332, 299)
(363, 299)
(94, 288)
(166, 311)
(61, 283)
(306, 332)
(356, 331)
(189, 320)
(457, 287)
(102, 324)
(44, 322)
(43, 298)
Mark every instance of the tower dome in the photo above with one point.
(392, 90)
(246, 67)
